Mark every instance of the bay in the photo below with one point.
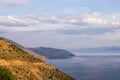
(90, 67)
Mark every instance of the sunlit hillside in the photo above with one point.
(16, 64)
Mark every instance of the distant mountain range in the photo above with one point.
(52, 53)
(98, 50)
(19, 63)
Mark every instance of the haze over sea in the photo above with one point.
(90, 67)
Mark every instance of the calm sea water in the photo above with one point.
(90, 67)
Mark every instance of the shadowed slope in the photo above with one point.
(52, 53)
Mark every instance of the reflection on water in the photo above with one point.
(90, 67)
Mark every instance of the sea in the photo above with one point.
(87, 67)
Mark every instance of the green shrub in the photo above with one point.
(6, 74)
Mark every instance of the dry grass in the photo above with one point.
(26, 66)
(4, 45)
(33, 71)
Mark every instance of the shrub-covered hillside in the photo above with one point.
(17, 64)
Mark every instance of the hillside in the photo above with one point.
(26, 50)
(99, 49)
(17, 64)
(52, 53)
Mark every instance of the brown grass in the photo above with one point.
(26, 66)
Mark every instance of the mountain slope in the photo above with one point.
(99, 49)
(52, 53)
(20, 65)
(26, 50)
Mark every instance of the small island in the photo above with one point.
(52, 53)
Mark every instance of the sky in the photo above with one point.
(66, 24)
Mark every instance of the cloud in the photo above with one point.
(95, 18)
(52, 39)
(13, 2)
(88, 31)
(90, 24)
(102, 21)
(11, 21)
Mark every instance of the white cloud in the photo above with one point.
(88, 24)
(13, 2)
(106, 21)
(11, 21)
(58, 31)
(95, 18)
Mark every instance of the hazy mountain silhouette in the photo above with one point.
(98, 49)
(52, 53)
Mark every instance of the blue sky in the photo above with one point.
(56, 6)
(64, 24)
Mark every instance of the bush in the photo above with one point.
(6, 74)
